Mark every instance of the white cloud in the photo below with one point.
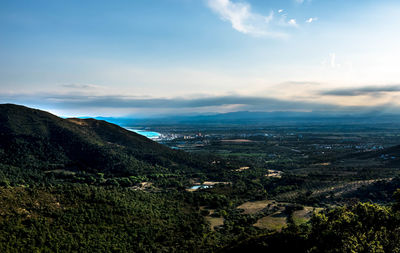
(302, 1)
(292, 22)
(331, 62)
(243, 19)
(280, 11)
(310, 20)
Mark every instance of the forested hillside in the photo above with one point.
(80, 185)
(34, 143)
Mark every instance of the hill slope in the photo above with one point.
(34, 139)
(70, 185)
(389, 157)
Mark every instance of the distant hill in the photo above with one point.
(34, 139)
(390, 156)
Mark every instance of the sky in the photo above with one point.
(143, 58)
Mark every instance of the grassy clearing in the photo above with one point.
(278, 219)
(214, 221)
(302, 216)
(275, 222)
(255, 207)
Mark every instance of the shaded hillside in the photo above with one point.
(391, 154)
(389, 157)
(95, 219)
(34, 139)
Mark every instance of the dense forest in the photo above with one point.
(78, 185)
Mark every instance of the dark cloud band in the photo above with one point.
(370, 90)
(205, 104)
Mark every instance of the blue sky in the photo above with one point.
(142, 57)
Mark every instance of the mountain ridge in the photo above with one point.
(32, 138)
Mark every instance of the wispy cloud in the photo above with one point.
(369, 90)
(301, 83)
(331, 61)
(80, 86)
(310, 20)
(292, 22)
(302, 1)
(243, 19)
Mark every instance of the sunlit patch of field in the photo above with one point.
(275, 222)
(214, 221)
(242, 169)
(274, 173)
(323, 164)
(303, 216)
(255, 207)
(144, 186)
(278, 219)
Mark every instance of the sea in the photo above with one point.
(149, 134)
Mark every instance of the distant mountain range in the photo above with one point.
(260, 118)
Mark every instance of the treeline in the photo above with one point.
(96, 219)
(363, 227)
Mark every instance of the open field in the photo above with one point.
(278, 220)
(275, 215)
(255, 207)
(275, 222)
(303, 216)
(214, 221)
